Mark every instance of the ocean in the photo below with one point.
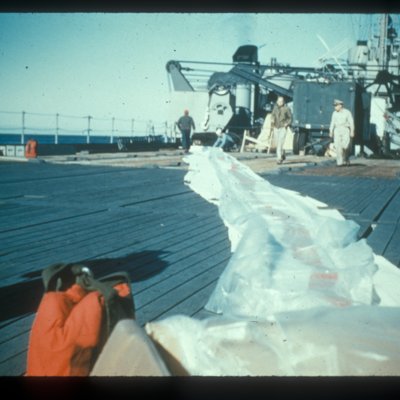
(74, 139)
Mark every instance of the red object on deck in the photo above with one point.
(31, 149)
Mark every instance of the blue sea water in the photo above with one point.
(67, 139)
(50, 139)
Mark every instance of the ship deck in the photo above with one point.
(147, 222)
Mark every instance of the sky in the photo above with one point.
(113, 64)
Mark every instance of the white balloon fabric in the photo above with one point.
(290, 252)
(300, 295)
(350, 341)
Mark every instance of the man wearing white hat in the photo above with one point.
(342, 130)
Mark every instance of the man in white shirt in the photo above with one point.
(342, 130)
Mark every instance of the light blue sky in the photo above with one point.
(108, 65)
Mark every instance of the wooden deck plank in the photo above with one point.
(378, 203)
(106, 193)
(14, 329)
(132, 214)
(392, 250)
(85, 219)
(35, 236)
(170, 245)
(106, 197)
(356, 193)
(380, 237)
(51, 174)
(29, 231)
(98, 184)
(159, 307)
(124, 242)
(181, 266)
(325, 190)
(8, 209)
(79, 237)
(48, 219)
(193, 306)
(142, 298)
(90, 178)
(15, 172)
(6, 322)
(391, 214)
(16, 365)
(211, 237)
(27, 216)
(170, 256)
(14, 345)
(33, 233)
(200, 253)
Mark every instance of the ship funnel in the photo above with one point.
(246, 54)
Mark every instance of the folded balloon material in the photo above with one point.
(290, 252)
(316, 342)
(300, 294)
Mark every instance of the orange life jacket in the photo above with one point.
(71, 326)
(64, 334)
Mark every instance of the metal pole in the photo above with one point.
(382, 42)
(57, 129)
(88, 130)
(252, 103)
(132, 126)
(112, 129)
(174, 131)
(23, 128)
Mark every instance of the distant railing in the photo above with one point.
(29, 123)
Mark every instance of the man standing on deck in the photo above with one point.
(342, 130)
(185, 124)
(281, 118)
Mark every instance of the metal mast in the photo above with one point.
(382, 57)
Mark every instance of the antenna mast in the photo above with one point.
(382, 58)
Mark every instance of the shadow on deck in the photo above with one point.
(24, 297)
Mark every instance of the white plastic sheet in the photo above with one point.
(299, 296)
(290, 252)
(360, 341)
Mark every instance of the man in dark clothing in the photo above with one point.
(281, 119)
(185, 124)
